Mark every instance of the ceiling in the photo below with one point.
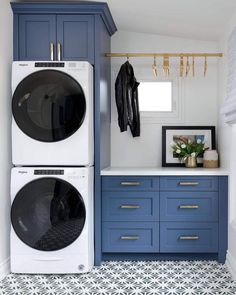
(196, 19)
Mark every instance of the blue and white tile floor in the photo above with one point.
(129, 278)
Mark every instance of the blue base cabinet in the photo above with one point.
(166, 217)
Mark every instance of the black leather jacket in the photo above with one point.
(126, 92)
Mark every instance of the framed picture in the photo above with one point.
(171, 134)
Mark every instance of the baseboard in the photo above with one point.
(4, 268)
(231, 264)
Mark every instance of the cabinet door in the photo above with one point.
(36, 33)
(75, 34)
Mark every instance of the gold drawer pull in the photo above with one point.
(130, 238)
(188, 183)
(130, 183)
(52, 51)
(59, 51)
(129, 206)
(189, 238)
(188, 206)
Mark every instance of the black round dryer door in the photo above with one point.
(48, 214)
(49, 105)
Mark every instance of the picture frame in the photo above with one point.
(169, 133)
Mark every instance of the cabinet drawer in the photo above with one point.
(130, 206)
(189, 206)
(176, 237)
(130, 237)
(189, 183)
(130, 183)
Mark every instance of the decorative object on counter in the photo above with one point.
(182, 142)
(188, 149)
(126, 94)
(210, 159)
(166, 60)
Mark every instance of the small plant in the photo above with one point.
(184, 148)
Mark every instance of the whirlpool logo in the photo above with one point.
(22, 172)
(23, 65)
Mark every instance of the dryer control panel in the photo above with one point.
(48, 172)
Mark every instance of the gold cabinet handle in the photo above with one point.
(129, 206)
(189, 238)
(188, 206)
(189, 183)
(130, 183)
(52, 51)
(130, 238)
(59, 51)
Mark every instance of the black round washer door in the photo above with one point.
(49, 105)
(48, 214)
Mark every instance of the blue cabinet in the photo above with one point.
(37, 36)
(132, 237)
(191, 237)
(55, 37)
(167, 215)
(75, 36)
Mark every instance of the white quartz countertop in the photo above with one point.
(110, 171)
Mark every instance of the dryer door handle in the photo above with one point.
(48, 259)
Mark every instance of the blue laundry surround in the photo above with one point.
(164, 217)
(79, 31)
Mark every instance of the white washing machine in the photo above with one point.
(52, 220)
(52, 109)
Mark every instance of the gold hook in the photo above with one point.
(181, 66)
(205, 66)
(154, 67)
(193, 66)
(187, 66)
(166, 65)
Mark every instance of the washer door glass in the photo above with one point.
(48, 214)
(49, 105)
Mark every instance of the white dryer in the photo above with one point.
(52, 109)
(52, 220)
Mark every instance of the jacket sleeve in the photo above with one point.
(121, 102)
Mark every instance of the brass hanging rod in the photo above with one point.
(164, 54)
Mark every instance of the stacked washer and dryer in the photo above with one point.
(53, 153)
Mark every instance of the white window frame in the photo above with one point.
(143, 73)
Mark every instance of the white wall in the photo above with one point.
(5, 145)
(199, 96)
(227, 143)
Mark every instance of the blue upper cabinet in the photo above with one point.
(37, 36)
(59, 31)
(75, 37)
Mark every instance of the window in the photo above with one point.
(155, 96)
(161, 99)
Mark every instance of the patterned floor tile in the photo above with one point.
(129, 278)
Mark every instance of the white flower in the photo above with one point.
(199, 140)
(189, 141)
(193, 155)
(183, 146)
(178, 151)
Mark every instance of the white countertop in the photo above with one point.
(109, 171)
